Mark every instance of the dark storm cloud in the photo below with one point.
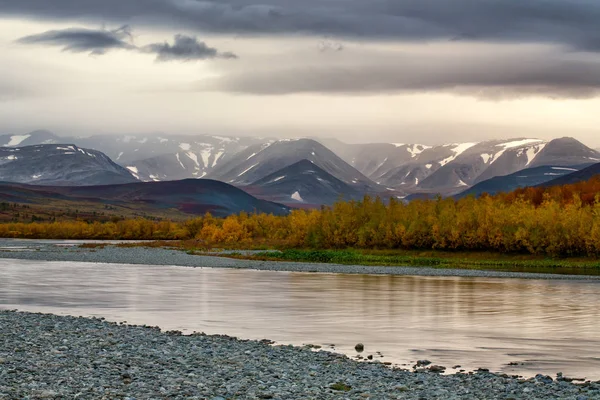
(185, 48)
(488, 76)
(80, 40)
(572, 23)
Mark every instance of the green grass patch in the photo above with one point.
(437, 259)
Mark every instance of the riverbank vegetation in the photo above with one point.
(557, 222)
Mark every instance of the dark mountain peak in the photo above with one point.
(302, 167)
(303, 182)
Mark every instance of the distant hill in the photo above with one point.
(59, 165)
(527, 177)
(303, 183)
(575, 177)
(190, 196)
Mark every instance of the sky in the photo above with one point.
(408, 71)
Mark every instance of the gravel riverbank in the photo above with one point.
(53, 357)
(54, 251)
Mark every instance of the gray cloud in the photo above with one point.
(185, 48)
(511, 74)
(571, 23)
(81, 40)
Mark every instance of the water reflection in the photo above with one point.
(548, 326)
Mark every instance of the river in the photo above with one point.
(543, 326)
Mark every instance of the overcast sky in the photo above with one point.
(360, 70)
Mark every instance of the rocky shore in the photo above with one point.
(53, 357)
(55, 251)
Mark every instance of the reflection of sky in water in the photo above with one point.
(476, 322)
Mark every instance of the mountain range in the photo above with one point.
(300, 172)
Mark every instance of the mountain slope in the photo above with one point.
(60, 165)
(258, 162)
(527, 177)
(303, 183)
(575, 177)
(190, 196)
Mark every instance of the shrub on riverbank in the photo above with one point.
(560, 221)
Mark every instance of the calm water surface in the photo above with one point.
(548, 326)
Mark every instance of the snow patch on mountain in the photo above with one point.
(134, 171)
(296, 196)
(179, 159)
(193, 157)
(458, 149)
(277, 179)
(565, 169)
(519, 143)
(534, 151)
(217, 156)
(248, 169)
(417, 149)
(15, 140)
(205, 154)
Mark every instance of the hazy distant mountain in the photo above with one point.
(190, 196)
(61, 164)
(258, 162)
(303, 183)
(527, 177)
(35, 137)
(155, 156)
(575, 177)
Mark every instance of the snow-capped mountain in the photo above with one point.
(260, 161)
(450, 167)
(60, 165)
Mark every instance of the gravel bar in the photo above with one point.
(49, 251)
(45, 356)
